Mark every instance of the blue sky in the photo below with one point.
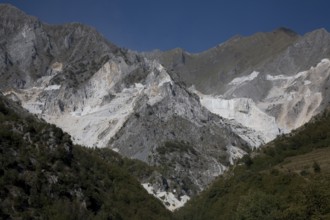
(194, 25)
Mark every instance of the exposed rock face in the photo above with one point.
(211, 70)
(30, 49)
(140, 106)
(104, 96)
(270, 83)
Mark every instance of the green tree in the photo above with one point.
(257, 205)
(316, 167)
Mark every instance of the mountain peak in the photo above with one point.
(8, 10)
(8, 6)
(319, 36)
(286, 31)
(13, 19)
(320, 31)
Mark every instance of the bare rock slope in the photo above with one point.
(190, 115)
(105, 96)
(270, 83)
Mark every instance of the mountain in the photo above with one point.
(212, 69)
(271, 83)
(30, 49)
(105, 96)
(44, 176)
(287, 179)
(188, 116)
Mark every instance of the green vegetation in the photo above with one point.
(44, 176)
(175, 146)
(288, 179)
(134, 167)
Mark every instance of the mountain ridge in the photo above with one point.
(192, 115)
(106, 96)
(255, 77)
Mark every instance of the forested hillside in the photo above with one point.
(44, 176)
(288, 179)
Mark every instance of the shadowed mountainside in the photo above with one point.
(43, 175)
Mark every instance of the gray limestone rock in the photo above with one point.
(190, 115)
(106, 96)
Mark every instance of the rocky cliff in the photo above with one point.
(189, 115)
(105, 96)
(270, 83)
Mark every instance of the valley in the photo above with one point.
(181, 126)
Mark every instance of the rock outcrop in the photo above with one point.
(190, 115)
(105, 96)
(269, 83)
